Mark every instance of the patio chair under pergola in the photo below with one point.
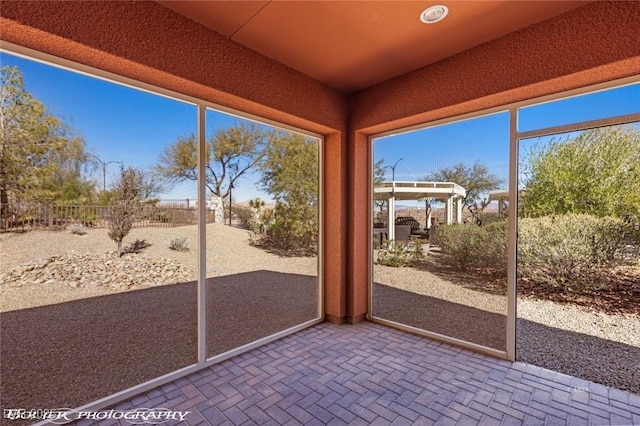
(449, 192)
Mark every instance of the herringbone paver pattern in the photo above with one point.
(369, 374)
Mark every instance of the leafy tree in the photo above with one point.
(475, 179)
(290, 174)
(67, 184)
(378, 172)
(378, 178)
(125, 205)
(596, 173)
(106, 198)
(38, 158)
(230, 153)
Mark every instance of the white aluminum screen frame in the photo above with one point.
(510, 351)
(202, 106)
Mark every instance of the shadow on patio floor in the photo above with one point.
(71, 353)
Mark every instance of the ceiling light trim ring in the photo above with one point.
(433, 14)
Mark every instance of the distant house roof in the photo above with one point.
(497, 195)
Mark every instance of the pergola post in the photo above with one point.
(502, 207)
(459, 210)
(448, 211)
(391, 217)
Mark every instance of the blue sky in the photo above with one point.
(485, 139)
(123, 124)
(119, 123)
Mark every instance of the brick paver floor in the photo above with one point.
(369, 374)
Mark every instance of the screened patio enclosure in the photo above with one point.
(331, 73)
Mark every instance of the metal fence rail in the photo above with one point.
(24, 216)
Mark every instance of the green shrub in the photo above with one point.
(494, 253)
(459, 243)
(491, 218)
(570, 251)
(467, 246)
(400, 253)
(179, 244)
(77, 229)
(294, 228)
(243, 214)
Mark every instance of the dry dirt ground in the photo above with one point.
(228, 253)
(573, 339)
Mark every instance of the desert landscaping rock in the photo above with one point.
(98, 269)
(228, 253)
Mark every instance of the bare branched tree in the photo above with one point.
(230, 153)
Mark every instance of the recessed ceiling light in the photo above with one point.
(434, 14)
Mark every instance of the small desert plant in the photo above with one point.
(179, 244)
(125, 206)
(261, 221)
(77, 229)
(399, 253)
(243, 215)
(256, 222)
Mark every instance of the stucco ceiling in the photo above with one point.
(350, 45)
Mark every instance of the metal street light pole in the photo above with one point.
(393, 170)
(104, 169)
(393, 176)
(392, 234)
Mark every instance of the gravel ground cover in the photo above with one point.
(71, 353)
(593, 345)
(74, 341)
(146, 330)
(440, 316)
(228, 253)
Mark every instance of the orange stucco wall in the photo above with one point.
(592, 44)
(596, 43)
